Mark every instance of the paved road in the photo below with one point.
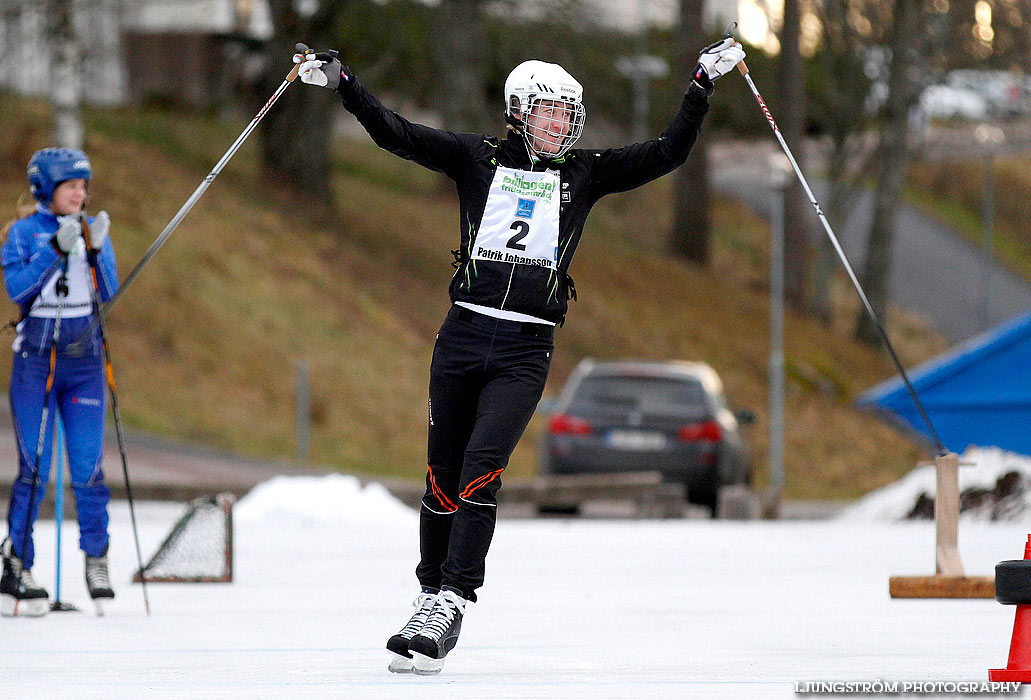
(166, 470)
(158, 469)
(935, 273)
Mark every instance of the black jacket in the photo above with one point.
(470, 160)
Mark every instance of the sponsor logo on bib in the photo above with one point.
(515, 183)
(525, 208)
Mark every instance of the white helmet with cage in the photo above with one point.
(535, 86)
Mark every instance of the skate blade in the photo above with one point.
(425, 666)
(400, 664)
(98, 606)
(33, 607)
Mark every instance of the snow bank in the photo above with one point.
(318, 500)
(895, 501)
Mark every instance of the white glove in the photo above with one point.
(67, 234)
(310, 72)
(314, 71)
(719, 59)
(99, 229)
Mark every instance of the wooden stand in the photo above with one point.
(949, 580)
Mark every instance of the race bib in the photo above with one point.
(78, 302)
(520, 219)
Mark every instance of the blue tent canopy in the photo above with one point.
(977, 394)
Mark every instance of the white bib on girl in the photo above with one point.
(79, 301)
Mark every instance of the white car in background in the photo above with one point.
(947, 102)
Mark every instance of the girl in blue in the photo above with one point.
(46, 264)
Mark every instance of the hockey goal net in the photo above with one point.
(199, 548)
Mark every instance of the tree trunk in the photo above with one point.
(837, 166)
(689, 237)
(825, 257)
(893, 157)
(459, 51)
(65, 72)
(791, 119)
(295, 134)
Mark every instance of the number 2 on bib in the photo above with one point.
(522, 229)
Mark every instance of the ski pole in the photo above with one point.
(59, 605)
(61, 288)
(938, 446)
(58, 503)
(185, 209)
(92, 256)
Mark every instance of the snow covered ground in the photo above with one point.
(980, 468)
(598, 609)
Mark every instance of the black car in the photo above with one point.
(669, 417)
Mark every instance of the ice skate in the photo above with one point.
(439, 635)
(20, 596)
(397, 645)
(98, 582)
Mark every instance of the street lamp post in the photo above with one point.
(641, 68)
(780, 174)
(990, 138)
(303, 409)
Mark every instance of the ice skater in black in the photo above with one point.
(523, 200)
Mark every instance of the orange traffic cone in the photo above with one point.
(1012, 581)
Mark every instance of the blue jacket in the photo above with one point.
(30, 262)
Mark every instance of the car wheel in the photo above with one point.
(548, 510)
(710, 503)
(706, 494)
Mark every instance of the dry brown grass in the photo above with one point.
(953, 191)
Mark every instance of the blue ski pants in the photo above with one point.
(78, 391)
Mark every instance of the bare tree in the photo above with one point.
(296, 134)
(846, 87)
(65, 72)
(893, 156)
(689, 237)
(792, 117)
(459, 52)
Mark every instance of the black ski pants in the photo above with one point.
(486, 378)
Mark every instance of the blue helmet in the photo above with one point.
(52, 166)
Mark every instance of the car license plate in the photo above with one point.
(635, 440)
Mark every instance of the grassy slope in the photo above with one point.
(953, 191)
(206, 342)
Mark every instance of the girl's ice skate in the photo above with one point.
(98, 582)
(20, 595)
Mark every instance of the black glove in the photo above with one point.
(322, 69)
(717, 59)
